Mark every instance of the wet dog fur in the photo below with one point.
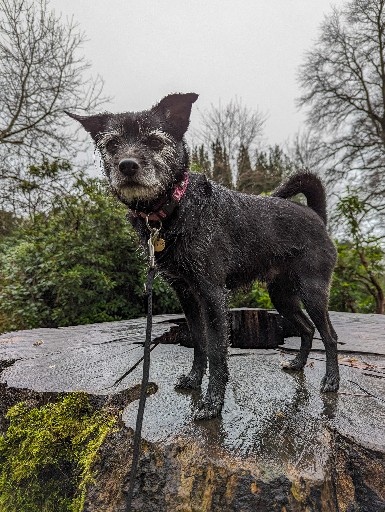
(219, 239)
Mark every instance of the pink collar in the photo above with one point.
(165, 207)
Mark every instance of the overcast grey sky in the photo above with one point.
(220, 49)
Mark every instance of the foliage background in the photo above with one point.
(80, 261)
(67, 253)
(77, 263)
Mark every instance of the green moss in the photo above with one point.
(47, 454)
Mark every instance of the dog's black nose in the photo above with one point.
(128, 166)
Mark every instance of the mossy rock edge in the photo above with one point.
(50, 443)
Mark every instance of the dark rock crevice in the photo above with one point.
(6, 364)
(358, 475)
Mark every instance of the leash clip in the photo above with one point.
(155, 243)
(154, 235)
(151, 250)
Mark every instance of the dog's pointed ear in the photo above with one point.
(176, 108)
(93, 124)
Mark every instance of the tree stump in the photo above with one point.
(249, 328)
(255, 328)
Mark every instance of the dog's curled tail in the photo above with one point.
(310, 186)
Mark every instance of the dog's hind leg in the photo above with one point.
(214, 312)
(287, 303)
(195, 323)
(314, 296)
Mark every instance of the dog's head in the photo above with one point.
(143, 152)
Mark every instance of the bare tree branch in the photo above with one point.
(343, 78)
(232, 125)
(41, 73)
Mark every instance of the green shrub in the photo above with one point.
(352, 289)
(256, 297)
(79, 263)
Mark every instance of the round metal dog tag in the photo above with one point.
(159, 245)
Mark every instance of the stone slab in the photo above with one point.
(356, 333)
(91, 357)
(276, 427)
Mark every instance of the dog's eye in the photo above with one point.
(154, 142)
(112, 146)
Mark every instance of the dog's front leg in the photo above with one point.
(214, 314)
(191, 309)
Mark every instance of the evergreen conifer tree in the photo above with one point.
(271, 168)
(245, 175)
(200, 161)
(221, 165)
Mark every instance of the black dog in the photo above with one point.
(214, 239)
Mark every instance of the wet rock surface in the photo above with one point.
(280, 445)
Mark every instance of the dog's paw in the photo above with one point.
(190, 381)
(207, 411)
(330, 383)
(293, 365)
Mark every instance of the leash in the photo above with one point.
(143, 389)
(155, 244)
(153, 240)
